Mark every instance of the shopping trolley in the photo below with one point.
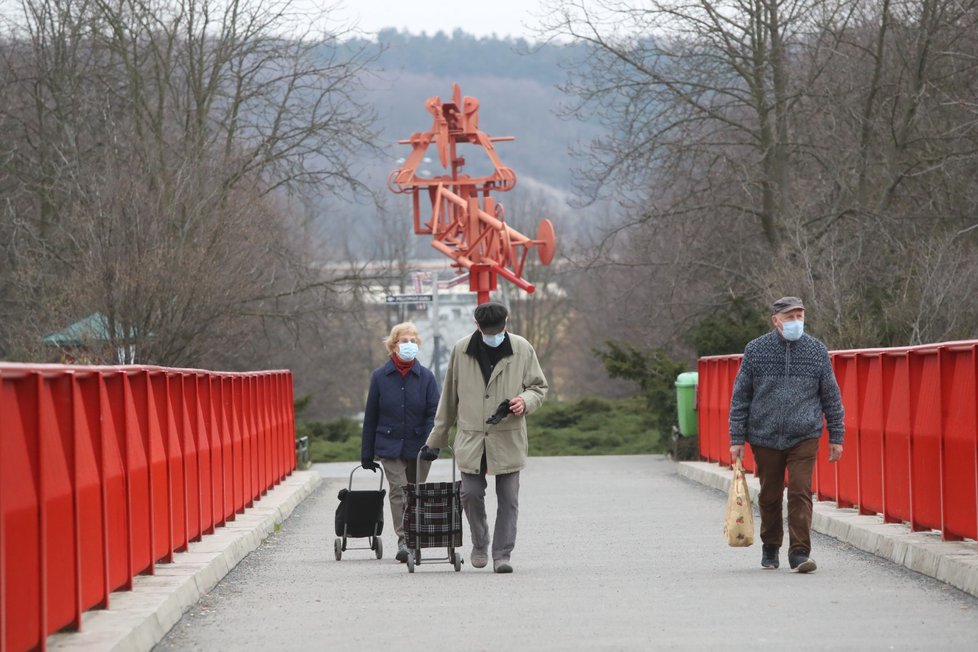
(433, 519)
(360, 514)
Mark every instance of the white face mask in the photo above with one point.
(407, 351)
(494, 340)
(792, 330)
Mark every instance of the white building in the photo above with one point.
(442, 321)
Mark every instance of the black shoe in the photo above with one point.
(769, 556)
(402, 553)
(801, 562)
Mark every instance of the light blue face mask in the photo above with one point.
(494, 340)
(407, 351)
(793, 330)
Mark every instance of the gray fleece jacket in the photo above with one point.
(781, 392)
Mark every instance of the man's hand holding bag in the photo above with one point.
(739, 525)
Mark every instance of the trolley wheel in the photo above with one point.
(457, 560)
(338, 549)
(379, 547)
(410, 563)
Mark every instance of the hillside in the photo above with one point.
(516, 86)
(517, 89)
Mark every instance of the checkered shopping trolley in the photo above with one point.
(433, 519)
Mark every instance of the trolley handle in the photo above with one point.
(356, 468)
(417, 470)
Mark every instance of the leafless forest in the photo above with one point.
(824, 148)
(163, 163)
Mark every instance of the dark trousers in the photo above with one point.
(771, 464)
(507, 511)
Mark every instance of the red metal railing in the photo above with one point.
(911, 449)
(106, 471)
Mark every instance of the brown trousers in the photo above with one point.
(771, 464)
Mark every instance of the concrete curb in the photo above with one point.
(952, 562)
(139, 619)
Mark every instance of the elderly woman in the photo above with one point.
(401, 405)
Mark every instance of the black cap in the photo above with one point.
(784, 304)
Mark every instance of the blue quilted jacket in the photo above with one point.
(782, 391)
(400, 412)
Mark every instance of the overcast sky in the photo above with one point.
(502, 17)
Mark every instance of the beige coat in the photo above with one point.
(466, 402)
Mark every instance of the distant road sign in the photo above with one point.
(410, 298)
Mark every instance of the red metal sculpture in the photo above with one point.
(466, 223)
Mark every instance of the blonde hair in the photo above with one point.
(400, 329)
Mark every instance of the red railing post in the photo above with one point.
(4, 552)
(897, 447)
(191, 437)
(959, 501)
(871, 416)
(59, 534)
(926, 461)
(288, 406)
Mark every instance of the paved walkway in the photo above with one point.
(138, 619)
(613, 553)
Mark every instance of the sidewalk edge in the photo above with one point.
(951, 562)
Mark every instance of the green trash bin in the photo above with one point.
(686, 403)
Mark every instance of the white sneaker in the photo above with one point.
(479, 557)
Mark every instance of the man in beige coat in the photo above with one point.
(487, 370)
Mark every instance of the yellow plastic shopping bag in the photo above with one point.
(739, 525)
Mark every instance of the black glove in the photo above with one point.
(368, 463)
(501, 411)
(429, 454)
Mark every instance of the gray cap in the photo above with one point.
(784, 304)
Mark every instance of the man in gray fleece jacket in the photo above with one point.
(784, 386)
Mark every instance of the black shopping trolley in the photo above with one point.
(360, 514)
(433, 519)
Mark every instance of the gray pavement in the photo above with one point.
(953, 562)
(138, 619)
(613, 553)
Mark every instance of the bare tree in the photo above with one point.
(890, 187)
(155, 155)
(818, 147)
(701, 91)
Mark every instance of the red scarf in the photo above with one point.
(404, 366)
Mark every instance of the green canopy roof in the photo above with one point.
(94, 328)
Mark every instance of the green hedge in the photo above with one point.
(594, 426)
(331, 441)
(590, 426)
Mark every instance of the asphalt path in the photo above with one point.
(613, 553)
